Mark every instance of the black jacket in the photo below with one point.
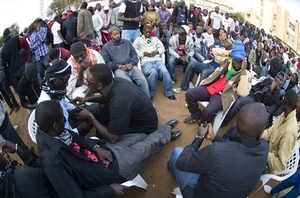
(71, 173)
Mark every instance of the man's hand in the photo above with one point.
(118, 188)
(183, 60)
(147, 54)
(244, 64)
(122, 67)
(210, 134)
(8, 146)
(104, 154)
(202, 130)
(84, 114)
(78, 100)
(154, 53)
(84, 126)
(84, 65)
(128, 67)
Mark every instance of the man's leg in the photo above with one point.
(263, 71)
(206, 72)
(8, 93)
(126, 35)
(241, 101)
(133, 150)
(122, 74)
(138, 77)
(214, 105)
(198, 56)
(149, 69)
(6, 97)
(164, 76)
(188, 75)
(135, 34)
(289, 182)
(192, 97)
(171, 66)
(183, 178)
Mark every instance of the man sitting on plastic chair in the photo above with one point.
(149, 49)
(225, 168)
(282, 134)
(223, 86)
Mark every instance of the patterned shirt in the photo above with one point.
(38, 45)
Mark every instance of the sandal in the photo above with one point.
(191, 120)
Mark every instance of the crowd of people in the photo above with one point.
(98, 67)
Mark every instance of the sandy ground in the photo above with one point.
(155, 173)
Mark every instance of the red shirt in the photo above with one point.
(23, 46)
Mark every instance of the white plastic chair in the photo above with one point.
(219, 117)
(32, 126)
(289, 170)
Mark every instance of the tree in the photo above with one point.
(57, 6)
(239, 16)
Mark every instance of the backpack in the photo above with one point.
(49, 35)
(180, 19)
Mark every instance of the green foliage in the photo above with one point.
(58, 6)
(239, 15)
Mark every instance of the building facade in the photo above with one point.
(211, 4)
(276, 21)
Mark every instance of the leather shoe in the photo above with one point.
(175, 135)
(172, 97)
(172, 123)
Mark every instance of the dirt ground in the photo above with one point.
(155, 173)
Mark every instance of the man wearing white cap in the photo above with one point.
(130, 12)
(105, 14)
(181, 49)
(114, 20)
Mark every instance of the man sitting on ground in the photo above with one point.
(56, 81)
(78, 167)
(221, 88)
(82, 58)
(282, 134)
(29, 87)
(120, 55)
(224, 168)
(150, 49)
(125, 110)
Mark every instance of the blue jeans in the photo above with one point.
(238, 104)
(198, 56)
(193, 66)
(131, 35)
(41, 66)
(172, 61)
(294, 180)
(183, 178)
(134, 75)
(156, 70)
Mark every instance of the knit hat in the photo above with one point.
(113, 28)
(77, 47)
(238, 50)
(58, 69)
(186, 28)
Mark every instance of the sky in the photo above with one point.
(25, 11)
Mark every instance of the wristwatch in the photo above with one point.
(201, 136)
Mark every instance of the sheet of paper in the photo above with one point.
(138, 181)
(176, 191)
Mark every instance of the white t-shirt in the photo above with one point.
(123, 7)
(233, 24)
(227, 23)
(217, 19)
(205, 18)
(55, 28)
(209, 38)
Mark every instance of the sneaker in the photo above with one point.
(191, 120)
(191, 85)
(267, 189)
(178, 90)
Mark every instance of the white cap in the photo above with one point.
(106, 7)
(186, 28)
